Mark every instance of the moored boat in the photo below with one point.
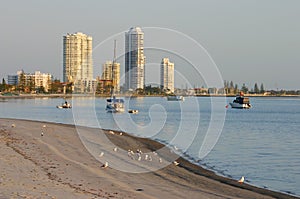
(115, 105)
(241, 102)
(65, 105)
(133, 111)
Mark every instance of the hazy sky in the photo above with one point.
(250, 41)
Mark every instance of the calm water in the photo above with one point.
(261, 143)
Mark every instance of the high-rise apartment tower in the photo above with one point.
(77, 58)
(167, 75)
(134, 59)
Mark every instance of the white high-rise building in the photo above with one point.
(134, 59)
(167, 75)
(77, 59)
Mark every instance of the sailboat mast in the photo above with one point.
(112, 68)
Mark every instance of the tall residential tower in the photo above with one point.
(77, 59)
(134, 59)
(167, 75)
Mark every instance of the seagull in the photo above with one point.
(115, 149)
(105, 165)
(111, 132)
(146, 157)
(42, 134)
(44, 126)
(139, 158)
(160, 160)
(121, 133)
(154, 153)
(101, 154)
(175, 163)
(13, 125)
(241, 180)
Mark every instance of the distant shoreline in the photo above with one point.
(127, 95)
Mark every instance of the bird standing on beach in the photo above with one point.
(115, 149)
(176, 163)
(101, 154)
(42, 134)
(13, 126)
(241, 180)
(105, 165)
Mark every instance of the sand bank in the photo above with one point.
(57, 165)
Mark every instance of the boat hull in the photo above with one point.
(175, 98)
(240, 106)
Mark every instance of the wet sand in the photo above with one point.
(57, 165)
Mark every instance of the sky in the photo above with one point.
(247, 41)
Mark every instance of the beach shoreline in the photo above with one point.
(55, 164)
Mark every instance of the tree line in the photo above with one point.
(231, 88)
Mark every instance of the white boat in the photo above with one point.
(175, 98)
(241, 102)
(115, 105)
(64, 105)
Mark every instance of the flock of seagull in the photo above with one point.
(134, 156)
(138, 155)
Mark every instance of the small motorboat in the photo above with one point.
(133, 111)
(64, 105)
(175, 98)
(241, 102)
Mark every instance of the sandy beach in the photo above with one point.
(46, 160)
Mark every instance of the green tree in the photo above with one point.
(262, 89)
(231, 85)
(31, 84)
(22, 82)
(256, 89)
(244, 88)
(236, 89)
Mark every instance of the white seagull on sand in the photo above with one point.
(13, 125)
(241, 180)
(105, 165)
(115, 149)
(176, 163)
(101, 154)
